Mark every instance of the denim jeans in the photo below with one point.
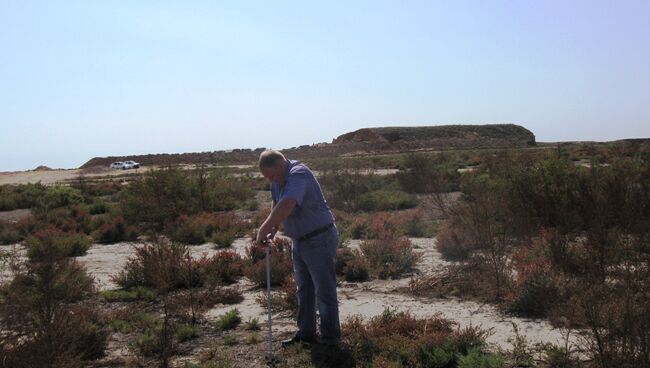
(315, 273)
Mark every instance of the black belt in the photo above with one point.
(311, 234)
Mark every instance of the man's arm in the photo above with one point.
(280, 211)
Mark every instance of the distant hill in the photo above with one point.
(443, 136)
(368, 140)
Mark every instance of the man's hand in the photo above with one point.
(263, 236)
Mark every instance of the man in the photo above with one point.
(298, 204)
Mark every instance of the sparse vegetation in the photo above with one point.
(558, 233)
(44, 318)
(230, 320)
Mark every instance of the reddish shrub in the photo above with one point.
(114, 232)
(222, 268)
(161, 265)
(202, 227)
(382, 224)
(281, 264)
(389, 257)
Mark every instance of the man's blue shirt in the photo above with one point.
(311, 211)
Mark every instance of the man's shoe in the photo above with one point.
(297, 340)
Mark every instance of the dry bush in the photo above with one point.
(465, 279)
(159, 264)
(453, 241)
(389, 256)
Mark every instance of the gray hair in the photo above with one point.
(270, 158)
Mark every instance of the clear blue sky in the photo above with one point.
(80, 79)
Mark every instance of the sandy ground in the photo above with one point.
(57, 176)
(366, 299)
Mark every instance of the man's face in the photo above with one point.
(274, 173)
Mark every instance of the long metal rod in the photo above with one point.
(268, 297)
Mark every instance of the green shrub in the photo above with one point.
(45, 302)
(98, 207)
(186, 332)
(52, 242)
(60, 196)
(252, 324)
(417, 226)
(385, 200)
(122, 326)
(230, 340)
(157, 201)
(470, 337)
(421, 174)
(476, 359)
(137, 293)
(225, 238)
(253, 338)
(230, 320)
(9, 233)
(437, 356)
(559, 357)
(148, 344)
(21, 196)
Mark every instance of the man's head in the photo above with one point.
(273, 166)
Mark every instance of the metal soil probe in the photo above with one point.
(271, 360)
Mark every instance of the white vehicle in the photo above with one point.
(133, 164)
(125, 165)
(121, 165)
